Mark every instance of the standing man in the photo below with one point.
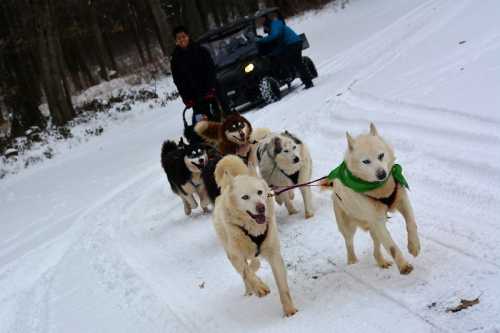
(286, 45)
(194, 75)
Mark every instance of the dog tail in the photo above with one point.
(208, 130)
(230, 165)
(167, 147)
(259, 134)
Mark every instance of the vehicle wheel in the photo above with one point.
(269, 89)
(310, 67)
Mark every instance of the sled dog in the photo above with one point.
(284, 160)
(183, 164)
(231, 136)
(366, 187)
(244, 221)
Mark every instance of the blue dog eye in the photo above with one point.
(366, 162)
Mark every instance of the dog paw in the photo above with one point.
(414, 247)
(290, 311)
(308, 215)
(261, 289)
(292, 211)
(384, 264)
(406, 269)
(187, 210)
(352, 260)
(206, 210)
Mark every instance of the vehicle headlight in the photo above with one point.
(249, 68)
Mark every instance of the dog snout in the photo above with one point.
(296, 159)
(260, 208)
(201, 161)
(381, 174)
(242, 135)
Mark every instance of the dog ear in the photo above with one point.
(350, 141)
(181, 143)
(277, 145)
(293, 137)
(228, 178)
(373, 130)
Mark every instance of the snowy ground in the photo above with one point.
(94, 241)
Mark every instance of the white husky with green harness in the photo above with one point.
(366, 186)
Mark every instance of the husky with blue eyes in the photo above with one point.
(183, 163)
(284, 160)
(245, 223)
(368, 185)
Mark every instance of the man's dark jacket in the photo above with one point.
(193, 71)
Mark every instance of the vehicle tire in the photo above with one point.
(269, 89)
(310, 67)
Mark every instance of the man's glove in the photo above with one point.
(188, 103)
(210, 95)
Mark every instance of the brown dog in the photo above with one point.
(231, 136)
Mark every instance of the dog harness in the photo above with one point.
(359, 185)
(194, 184)
(257, 240)
(388, 201)
(294, 178)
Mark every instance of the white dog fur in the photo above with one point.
(244, 212)
(284, 160)
(365, 210)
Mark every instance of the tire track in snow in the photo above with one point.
(362, 98)
(394, 300)
(378, 51)
(113, 233)
(312, 253)
(81, 231)
(23, 241)
(367, 45)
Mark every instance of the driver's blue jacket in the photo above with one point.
(281, 33)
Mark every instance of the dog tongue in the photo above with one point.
(260, 219)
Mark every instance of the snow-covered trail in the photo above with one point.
(96, 242)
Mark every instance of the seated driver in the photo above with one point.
(286, 46)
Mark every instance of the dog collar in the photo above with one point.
(359, 185)
(257, 240)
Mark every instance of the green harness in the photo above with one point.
(359, 185)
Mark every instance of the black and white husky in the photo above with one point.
(183, 164)
(284, 160)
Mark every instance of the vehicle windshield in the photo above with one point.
(227, 50)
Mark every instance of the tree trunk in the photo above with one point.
(192, 18)
(82, 63)
(162, 27)
(52, 76)
(109, 49)
(142, 16)
(204, 11)
(222, 9)
(133, 24)
(99, 42)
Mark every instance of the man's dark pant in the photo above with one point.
(293, 59)
(206, 108)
